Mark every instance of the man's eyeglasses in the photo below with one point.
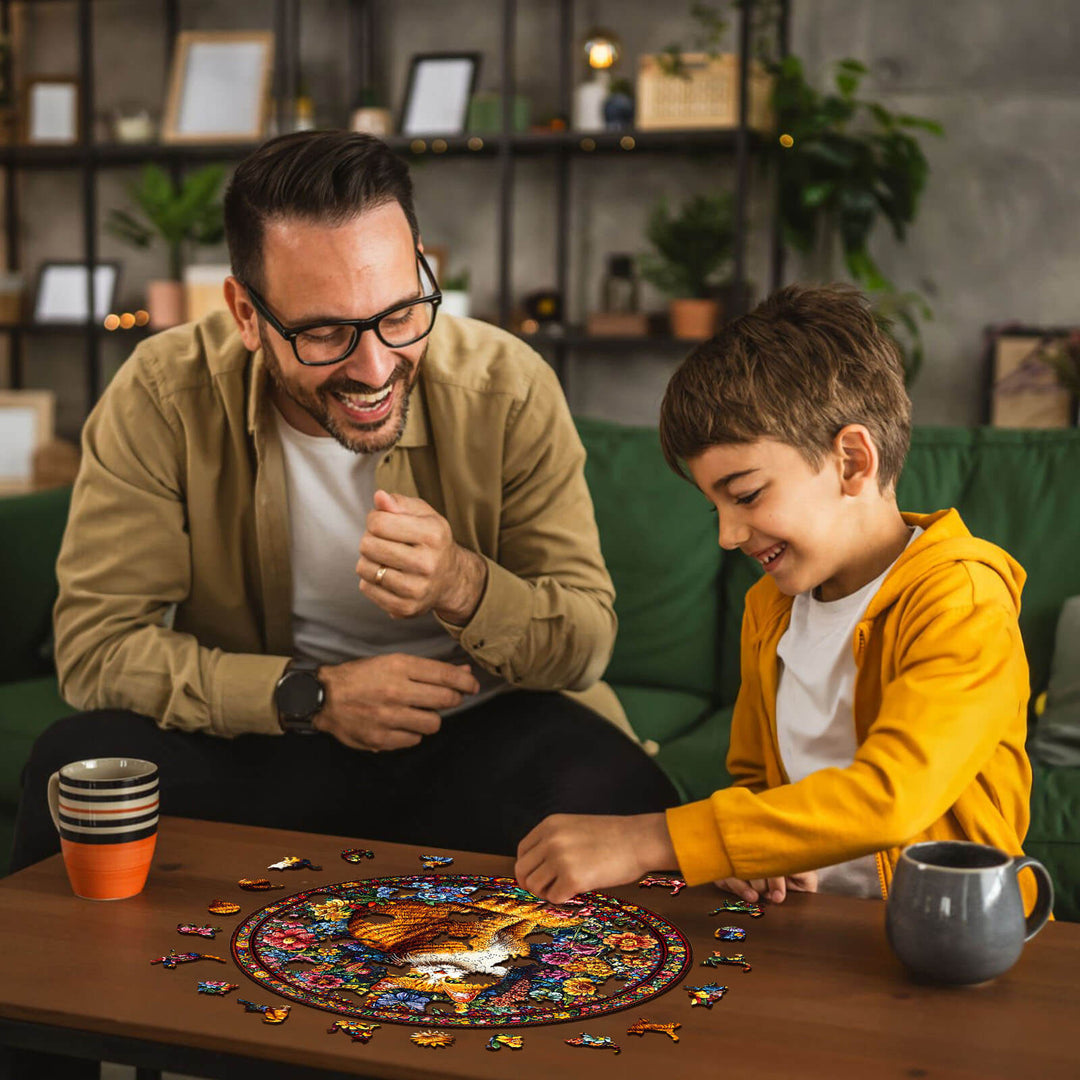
(322, 343)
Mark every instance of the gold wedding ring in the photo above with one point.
(380, 574)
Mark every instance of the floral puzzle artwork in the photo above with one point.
(458, 951)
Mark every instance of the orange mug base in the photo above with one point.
(108, 871)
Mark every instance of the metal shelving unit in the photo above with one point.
(569, 149)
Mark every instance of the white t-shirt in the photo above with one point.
(330, 491)
(815, 724)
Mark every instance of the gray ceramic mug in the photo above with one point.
(954, 913)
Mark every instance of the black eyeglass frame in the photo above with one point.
(290, 334)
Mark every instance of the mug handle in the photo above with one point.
(54, 798)
(1044, 898)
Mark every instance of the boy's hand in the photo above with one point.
(773, 889)
(567, 854)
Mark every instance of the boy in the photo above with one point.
(884, 683)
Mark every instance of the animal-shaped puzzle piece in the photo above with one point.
(293, 862)
(729, 933)
(216, 986)
(739, 907)
(172, 958)
(272, 1014)
(718, 959)
(594, 1042)
(357, 1030)
(511, 1042)
(201, 931)
(639, 1027)
(707, 995)
(667, 881)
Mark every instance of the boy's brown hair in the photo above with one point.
(798, 368)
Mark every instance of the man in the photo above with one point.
(352, 538)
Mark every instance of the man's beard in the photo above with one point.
(315, 403)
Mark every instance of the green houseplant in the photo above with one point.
(692, 250)
(845, 164)
(178, 214)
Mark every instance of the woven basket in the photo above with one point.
(709, 98)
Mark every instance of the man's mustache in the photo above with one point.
(345, 385)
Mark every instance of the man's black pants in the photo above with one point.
(479, 784)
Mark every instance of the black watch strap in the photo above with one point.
(299, 695)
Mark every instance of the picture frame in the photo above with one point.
(26, 423)
(437, 93)
(219, 87)
(51, 112)
(60, 296)
(438, 259)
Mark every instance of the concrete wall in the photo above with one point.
(995, 240)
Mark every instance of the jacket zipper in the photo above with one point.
(879, 861)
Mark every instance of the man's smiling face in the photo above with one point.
(314, 271)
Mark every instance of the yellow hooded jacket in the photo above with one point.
(940, 711)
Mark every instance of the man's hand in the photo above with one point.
(425, 570)
(389, 702)
(567, 854)
(773, 889)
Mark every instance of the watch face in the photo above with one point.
(299, 693)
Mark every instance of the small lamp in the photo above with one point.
(601, 50)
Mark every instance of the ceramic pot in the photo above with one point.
(693, 320)
(165, 304)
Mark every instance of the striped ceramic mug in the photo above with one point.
(106, 811)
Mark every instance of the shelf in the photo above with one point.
(576, 338)
(100, 155)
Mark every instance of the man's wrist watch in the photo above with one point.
(299, 695)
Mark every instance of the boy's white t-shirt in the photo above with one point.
(330, 491)
(815, 724)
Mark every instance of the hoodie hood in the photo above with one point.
(945, 539)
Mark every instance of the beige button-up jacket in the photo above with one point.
(175, 586)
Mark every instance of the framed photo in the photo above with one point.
(438, 259)
(61, 292)
(219, 87)
(51, 112)
(437, 93)
(26, 422)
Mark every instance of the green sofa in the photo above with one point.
(680, 597)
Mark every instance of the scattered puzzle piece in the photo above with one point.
(639, 1027)
(707, 995)
(172, 958)
(729, 933)
(272, 1014)
(432, 1038)
(718, 959)
(357, 1030)
(511, 1042)
(433, 862)
(223, 907)
(201, 931)
(594, 1042)
(357, 854)
(257, 884)
(293, 862)
(216, 986)
(741, 907)
(676, 884)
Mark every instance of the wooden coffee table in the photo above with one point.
(825, 998)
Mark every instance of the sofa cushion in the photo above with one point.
(26, 709)
(1056, 738)
(1051, 836)
(658, 714)
(694, 760)
(659, 542)
(30, 530)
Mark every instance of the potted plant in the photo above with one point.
(455, 294)
(692, 250)
(845, 164)
(177, 214)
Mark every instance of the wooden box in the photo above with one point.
(1026, 391)
(709, 98)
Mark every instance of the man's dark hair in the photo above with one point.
(321, 176)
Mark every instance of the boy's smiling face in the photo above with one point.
(772, 505)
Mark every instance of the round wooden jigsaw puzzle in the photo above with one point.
(459, 951)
